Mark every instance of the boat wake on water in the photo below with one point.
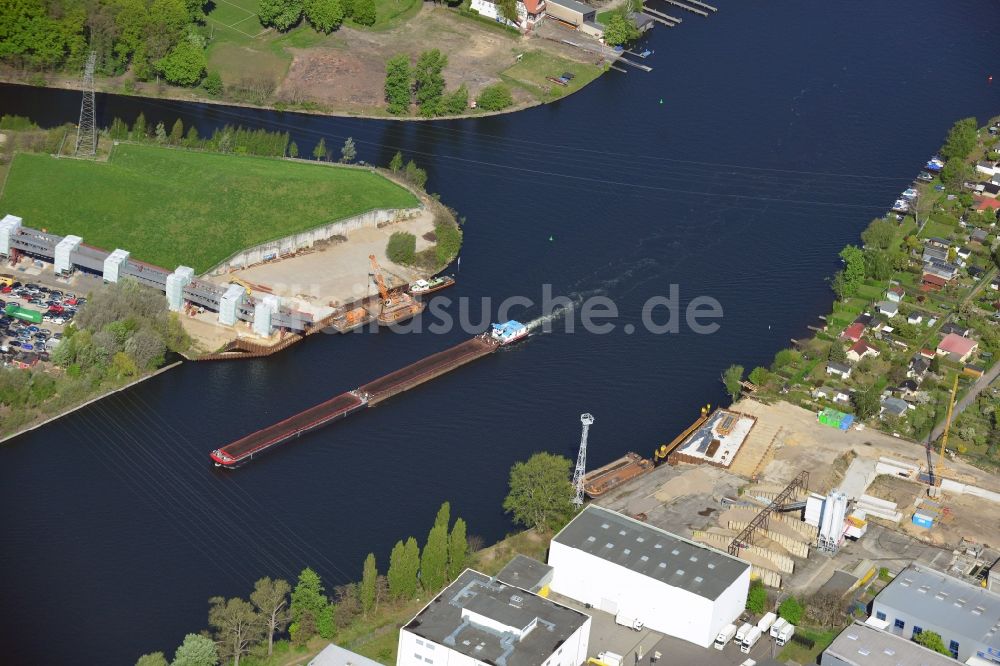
(562, 310)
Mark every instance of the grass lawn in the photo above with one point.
(534, 66)
(803, 655)
(170, 207)
(235, 19)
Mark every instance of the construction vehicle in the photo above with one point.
(250, 286)
(396, 304)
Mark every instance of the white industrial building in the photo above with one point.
(966, 616)
(64, 250)
(9, 226)
(266, 307)
(674, 586)
(867, 645)
(174, 287)
(230, 303)
(114, 265)
(479, 620)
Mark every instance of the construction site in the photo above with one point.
(811, 507)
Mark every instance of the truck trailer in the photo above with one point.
(725, 636)
(751, 640)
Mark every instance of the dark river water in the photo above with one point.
(764, 140)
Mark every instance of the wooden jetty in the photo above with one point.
(702, 12)
(702, 4)
(660, 17)
(637, 65)
(618, 69)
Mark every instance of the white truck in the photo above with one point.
(610, 658)
(742, 632)
(778, 625)
(751, 640)
(725, 636)
(629, 621)
(785, 635)
(765, 622)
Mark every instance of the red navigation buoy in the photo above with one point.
(989, 78)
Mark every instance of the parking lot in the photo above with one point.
(639, 648)
(30, 334)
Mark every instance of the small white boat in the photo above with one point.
(508, 332)
(910, 193)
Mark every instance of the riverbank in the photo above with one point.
(343, 73)
(916, 312)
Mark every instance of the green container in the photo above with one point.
(24, 314)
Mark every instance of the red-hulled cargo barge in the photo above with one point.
(245, 449)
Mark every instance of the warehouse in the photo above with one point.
(577, 15)
(966, 617)
(866, 645)
(478, 620)
(672, 585)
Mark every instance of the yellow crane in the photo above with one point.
(947, 425)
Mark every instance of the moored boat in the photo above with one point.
(434, 284)
(614, 474)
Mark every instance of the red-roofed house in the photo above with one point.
(859, 350)
(529, 12)
(986, 203)
(957, 348)
(895, 294)
(933, 282)
(853, 332)
(927, 353)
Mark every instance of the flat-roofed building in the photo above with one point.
(670, 584)
(967, 617)
(864, 645)
(479, 620)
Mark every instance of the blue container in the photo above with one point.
(922, 520)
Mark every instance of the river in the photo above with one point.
(764, 140)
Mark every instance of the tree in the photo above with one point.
(153, 659)
(619, 29)
(731, 378)
(369, 585)
(414, 174)
(308, 603)
(397, 570)
(428, 81)
(867, 402)
(508, 10)
(932, 641)
(878, 264)
(880, 233)
(401, 248)
(324, 15)
(160, 132)
(434, 559)
(196, 651)
(839, 286)
(456, 102)
(191, 138)
(410, 567)
(398, 82)
(177, 132)
(955, 172)
(854, 268)
(541, 495)
(825, 609)
(443, 517)
(757, 598)
(237, 626)
(837, 354)
(348, 153)
(458, 549)
(293, 149)
(759, 376)
(279, 14)
(271, 600)
(791, 610)
(185, 64)
(396, 163)
(494, 98)
(118, 129)
(139, 129)
(363, 12)
(961, 140)
(319, 150)
(213, 84)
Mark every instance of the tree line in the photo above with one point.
(423, 84)
(150, 37)
(323, 15)
(241, 627)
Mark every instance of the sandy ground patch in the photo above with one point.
(339, 272)
(352, 78)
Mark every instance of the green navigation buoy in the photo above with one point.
(661, 100)
(551, 239)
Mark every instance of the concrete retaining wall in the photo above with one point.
(949, 486)
(290, 244)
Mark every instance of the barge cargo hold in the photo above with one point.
(244, 449)
(614, 474)
(370, 394)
